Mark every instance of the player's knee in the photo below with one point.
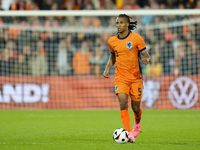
(123, 105)
(136, 109)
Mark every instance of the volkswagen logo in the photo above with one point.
(183, 93)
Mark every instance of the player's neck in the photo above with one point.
(123, 34)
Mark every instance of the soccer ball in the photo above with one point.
(120, 135)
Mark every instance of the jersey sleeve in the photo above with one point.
(110, 47)
(141, 44)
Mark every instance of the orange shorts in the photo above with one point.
(134, 89)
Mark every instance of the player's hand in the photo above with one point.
(146, 60)
(106, 74)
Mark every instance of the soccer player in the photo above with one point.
(125, 48)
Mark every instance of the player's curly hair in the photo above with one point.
(132, 25)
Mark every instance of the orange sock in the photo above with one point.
(138, 116)
(126, 119)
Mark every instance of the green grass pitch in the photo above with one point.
(93, 129)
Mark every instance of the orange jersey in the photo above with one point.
(127, 51)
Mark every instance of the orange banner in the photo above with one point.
(94, 92)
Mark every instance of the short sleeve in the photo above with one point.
(110, 47)
(140, 43)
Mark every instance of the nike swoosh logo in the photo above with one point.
(114, 46)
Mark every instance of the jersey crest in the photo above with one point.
(129, 45)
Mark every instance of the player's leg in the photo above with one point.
(125, 117)
(135, 105)
(138, 114)
(122, 89)
(136, 96)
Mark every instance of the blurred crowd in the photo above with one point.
(97, 4)
(27, 50)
